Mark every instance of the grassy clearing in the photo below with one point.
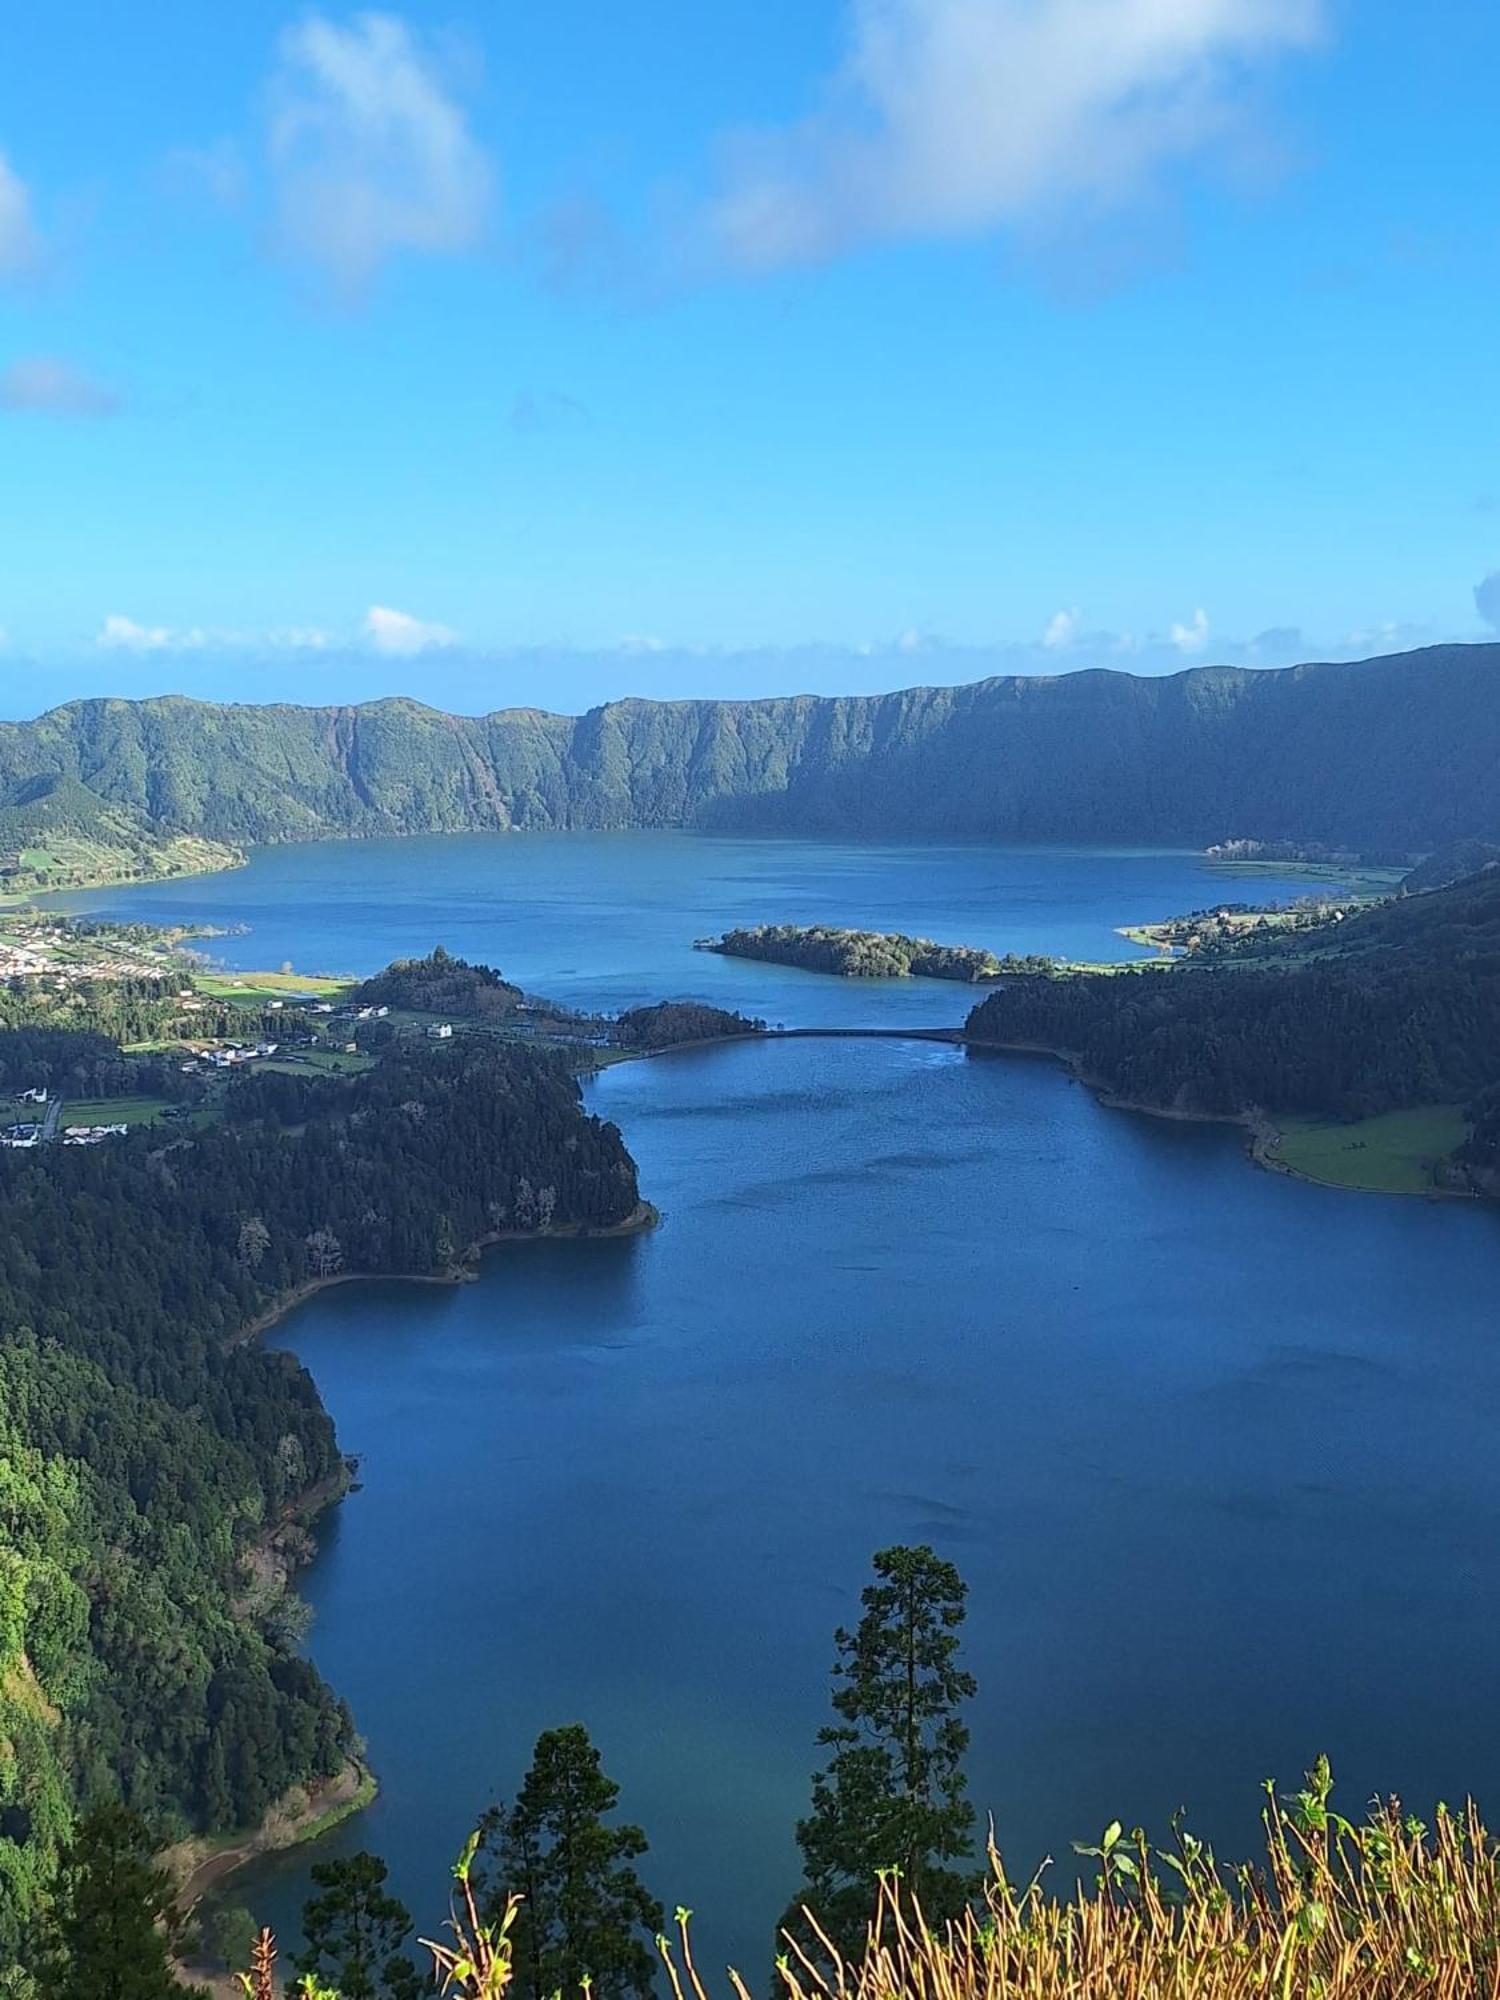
(1397, 1153)
(328, 1061)
(112, 1111)
(254, 989)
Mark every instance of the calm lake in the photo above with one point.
(1214, 1450)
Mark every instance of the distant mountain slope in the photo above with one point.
(1401, 752)
(55, 833)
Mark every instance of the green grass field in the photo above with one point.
(1396, 1153)
(329, 1060)
(112, 1111)
(254, 989)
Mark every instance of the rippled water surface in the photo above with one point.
(1215, 1450)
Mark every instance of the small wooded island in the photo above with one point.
(853, 954)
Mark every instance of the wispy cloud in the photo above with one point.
(41, 384)
(1062, 628)
(20, 245)
(959, 117)
(1487, 598)
(125, 635)
(1193, 636)
(372, 155)
(390, 631)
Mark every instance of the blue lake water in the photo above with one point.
(608, 920)
(1214, 1449)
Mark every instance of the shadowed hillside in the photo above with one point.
(1394, 753)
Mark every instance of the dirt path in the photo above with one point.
(199, 1867)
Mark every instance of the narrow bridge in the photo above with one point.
(950, 1035)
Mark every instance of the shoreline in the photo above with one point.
(20, 899)
(645, 1215)
(1262, 1135)
(301, 1815)
(334, 1800)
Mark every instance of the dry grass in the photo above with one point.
(1390, 1910)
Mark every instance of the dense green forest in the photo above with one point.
(73, 1021)
(143, 1445)
(1452, 864)
(867, 954)
(1396, 754)
(440, 984)
(1396, 1005)
(56, 831)
(671, 1023)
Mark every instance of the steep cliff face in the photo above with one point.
(1401, 752)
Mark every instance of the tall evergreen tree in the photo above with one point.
(584, 1913)
(354, 1932)
(114, 1921)
(893, 1792)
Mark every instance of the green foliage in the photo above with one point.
(1398, 753)
(674, 1022)
(56, 832)
(1452, 864)
(354, 1935)
(143, 1443)
(870, 954)
(227, 1934)
(440, 984)
(113, 1925)
(584, 1915)
(1394, 1007)
(893, 1795)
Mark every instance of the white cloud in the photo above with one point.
(1192, 637)
(371, 154)
(391, 631)
(18, 238)
(957, 117)
(44, 384)
(120, 634)
(1062, 629)
(1487, 599)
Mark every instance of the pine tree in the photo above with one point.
(354, 1931)
(114, 1922)
(893, 1792)
(585, 1913)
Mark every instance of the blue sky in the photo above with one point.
(534, 354)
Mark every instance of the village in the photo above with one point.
(317, 1032)
(34, 945)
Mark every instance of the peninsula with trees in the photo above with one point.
(852, 954)
(1364, 1049)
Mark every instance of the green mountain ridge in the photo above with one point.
(55, 831)
(1400, 752)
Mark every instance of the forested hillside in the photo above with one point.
(1400, 754)
(142, 1445)
(1396, 1006)
(55, 832)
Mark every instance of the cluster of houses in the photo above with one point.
(92, 1135)
(232, 1056)
(29, 950)
(25, 1131)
